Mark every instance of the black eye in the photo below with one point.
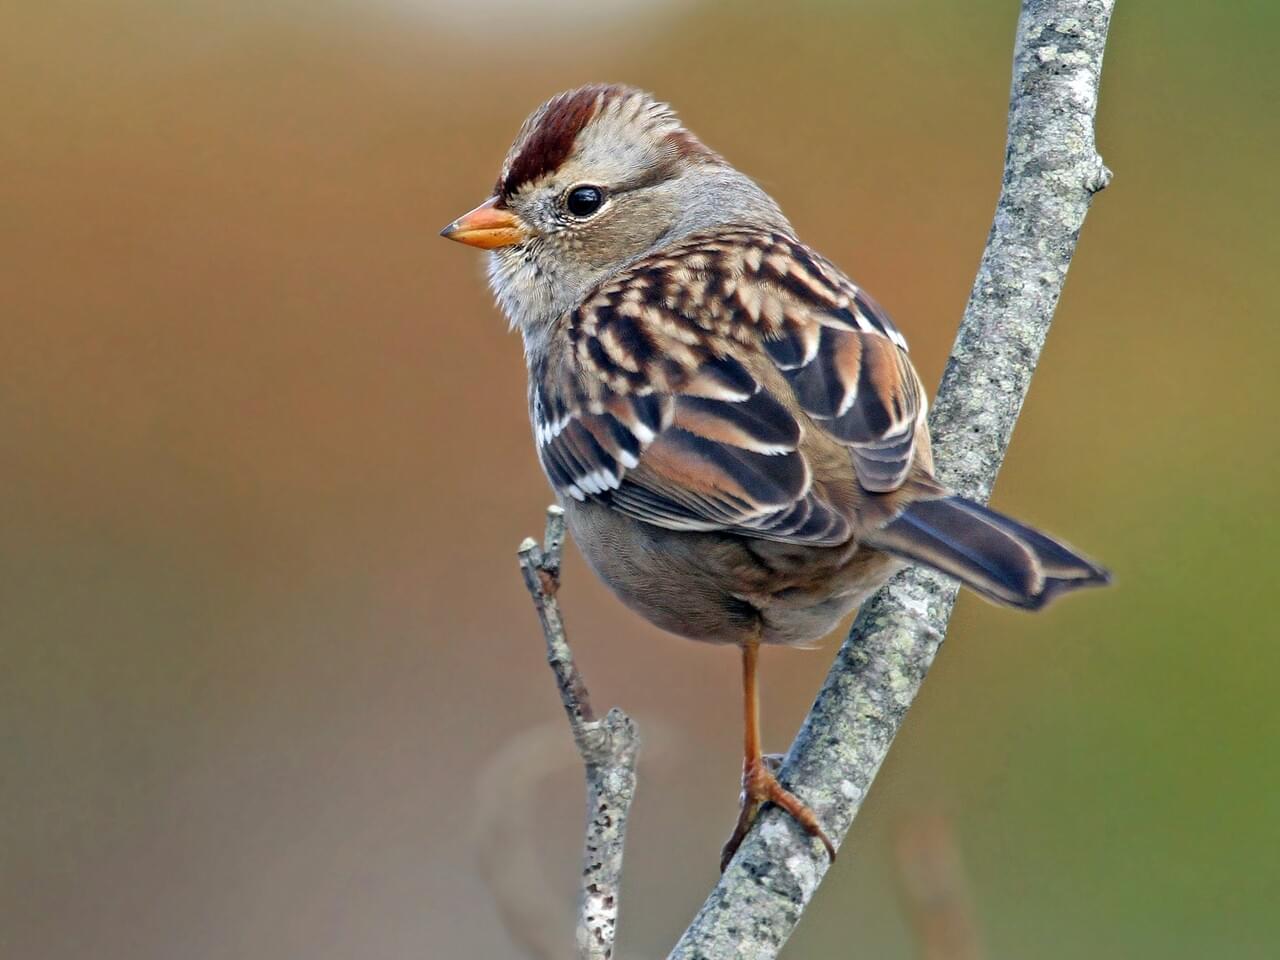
(584, 201)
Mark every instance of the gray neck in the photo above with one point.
(717, 195)
(535, 287)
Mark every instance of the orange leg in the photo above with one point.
(759, 785)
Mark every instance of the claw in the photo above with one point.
(761, 786)
(773, 762)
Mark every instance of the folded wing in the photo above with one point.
(652, 405)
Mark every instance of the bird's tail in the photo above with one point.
(987, 551)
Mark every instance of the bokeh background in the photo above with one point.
(266, 461)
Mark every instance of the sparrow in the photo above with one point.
(733, 426)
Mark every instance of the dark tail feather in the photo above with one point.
(987, 551)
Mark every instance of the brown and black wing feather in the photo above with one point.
(655, 410)
(848, 366)
(712, 450)
(652, 407)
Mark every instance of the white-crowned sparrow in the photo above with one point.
(733, 426)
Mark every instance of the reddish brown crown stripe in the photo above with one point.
(689, 147)
(551, 140)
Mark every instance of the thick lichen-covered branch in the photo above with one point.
(1051, 172)
(607, 746)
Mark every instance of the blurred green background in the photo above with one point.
(266, 461)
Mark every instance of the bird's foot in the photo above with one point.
(761, 786)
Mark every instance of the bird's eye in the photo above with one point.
(584, 201)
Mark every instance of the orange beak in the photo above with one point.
(486, 227)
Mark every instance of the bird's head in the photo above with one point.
(596, 178)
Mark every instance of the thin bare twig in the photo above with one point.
(607, 746)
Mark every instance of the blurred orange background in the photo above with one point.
(266, 462)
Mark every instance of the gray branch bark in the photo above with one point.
(1052, 170)
(607, 746)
